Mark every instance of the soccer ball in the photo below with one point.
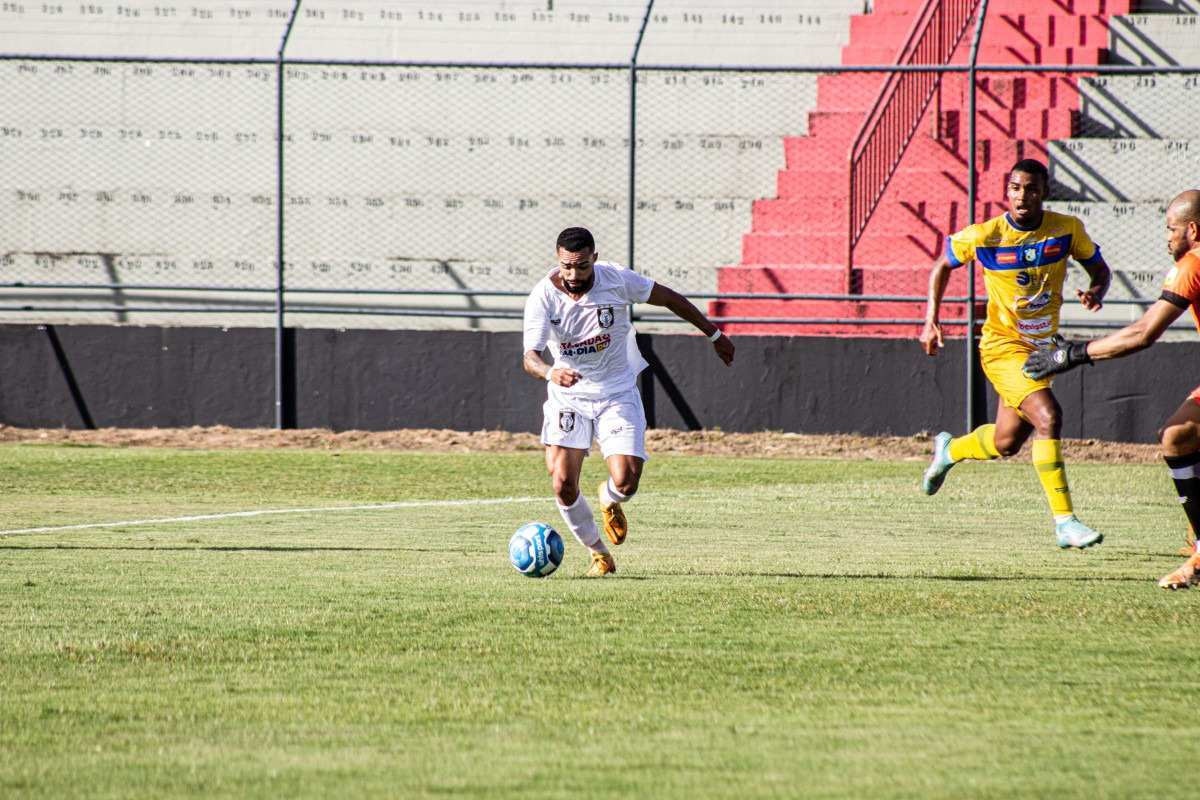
(535, 550)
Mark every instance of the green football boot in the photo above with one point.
(1073, 533)
(941, 464)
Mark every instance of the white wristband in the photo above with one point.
(548, 380)
(715, 335)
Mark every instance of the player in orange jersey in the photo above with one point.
(1180, 436)
(1024, 258)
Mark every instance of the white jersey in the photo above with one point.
(593, 335)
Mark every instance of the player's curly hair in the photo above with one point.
(576, 240)
(1031, 166)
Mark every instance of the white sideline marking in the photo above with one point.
(264, 512)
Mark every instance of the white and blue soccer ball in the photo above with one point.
(535, 550)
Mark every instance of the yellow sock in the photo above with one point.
(978, 445)
(1047, 460)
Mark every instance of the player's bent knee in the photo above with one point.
(1048, 425)
(1008, 445)
(566, 490)
(1180, 439)
(627, 486)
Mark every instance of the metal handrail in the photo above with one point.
(894, 118)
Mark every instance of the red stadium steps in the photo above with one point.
(898, 217)
(914, 280)
(1029, 7)
(1088, 30)
(1039, 123)
(947, 154)
(797, 240)
(782, 279)
(922, 184)
(856, 92)
(917, 247)
(1016, 53)
(1041, 30)
(1029, 90)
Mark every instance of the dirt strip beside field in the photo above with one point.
(767, 444)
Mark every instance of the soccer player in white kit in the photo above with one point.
(581, 311)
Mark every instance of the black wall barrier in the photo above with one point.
(83, 376)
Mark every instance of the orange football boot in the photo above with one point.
(1185, 577)
(616, 527)
(602, 564)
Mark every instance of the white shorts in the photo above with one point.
(618, 423)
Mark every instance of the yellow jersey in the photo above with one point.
(1023, 272)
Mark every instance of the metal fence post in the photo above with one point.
(974, 390)
(637, 46)
(283, 413)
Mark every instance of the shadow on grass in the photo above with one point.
(1088, 578)
(614, 578)
(235, 549)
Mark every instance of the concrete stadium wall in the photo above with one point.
(101, 376)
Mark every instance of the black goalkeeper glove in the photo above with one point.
(1059, 356)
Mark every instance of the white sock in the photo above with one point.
(579, 519)
(610, 495)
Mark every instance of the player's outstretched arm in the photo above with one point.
(1092, 298)
(681, 307)
(931, 333)
(1063, 355)
(1136, 335)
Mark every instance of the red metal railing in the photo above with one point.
(894, 119)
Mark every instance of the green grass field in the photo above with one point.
(776, 629)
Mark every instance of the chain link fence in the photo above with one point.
(153, 183)
(429, 194)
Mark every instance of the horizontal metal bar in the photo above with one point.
(881, 298)
(162, 287)
(800, 320)
(366, 312)
(374, 63)
(530, 65)
(1099, 69)
(848, 298)
(452, 314)
(145, 309)
(135, 59)
(881, 321)
(131, 287)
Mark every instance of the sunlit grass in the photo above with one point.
(776, 629)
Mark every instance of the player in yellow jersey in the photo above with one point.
(1024, 258)
(1180, 435)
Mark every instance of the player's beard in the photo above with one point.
(579, 287)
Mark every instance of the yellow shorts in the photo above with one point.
(1002, 364)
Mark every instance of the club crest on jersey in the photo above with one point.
(566, 421)
(605, 317)
(1029, 254)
